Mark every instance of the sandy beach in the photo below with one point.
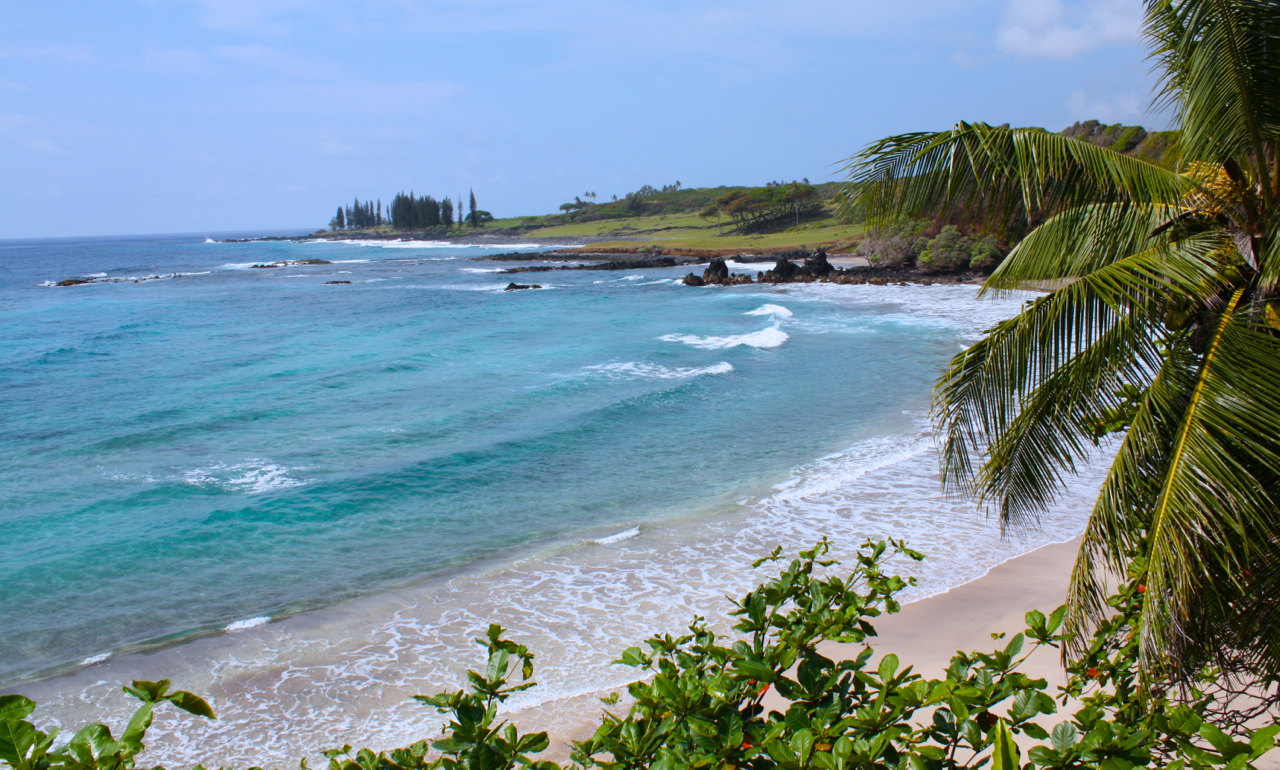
(926, 633)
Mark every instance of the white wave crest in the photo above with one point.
(209, 240)
(252, 477)
(646, 371)
(771, 337)
(617, 537)
(241, 625)
(92, 659)
(777, 311)
(412, 244)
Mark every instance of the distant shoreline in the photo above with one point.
(462, 239)
(852, 268)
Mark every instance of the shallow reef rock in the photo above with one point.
(518, 286)
(716, 272)
(291, 263)
(817, 264)
(816, 268)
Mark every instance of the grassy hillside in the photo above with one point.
(678, 218)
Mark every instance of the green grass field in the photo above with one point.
(685, 231)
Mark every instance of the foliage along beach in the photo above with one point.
(1159, 340)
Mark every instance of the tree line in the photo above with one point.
(410, 212)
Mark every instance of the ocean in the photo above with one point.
(305, 499)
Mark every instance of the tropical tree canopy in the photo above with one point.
(1161, 325)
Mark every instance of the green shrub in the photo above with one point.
(702, 704)
(895, 245)
(947, 252)
(984, 253)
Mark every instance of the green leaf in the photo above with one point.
(1004, 752)
(1065, 736)
(191, 703)
(888, 666)
(15, 707)
(1217, 738)
(136, 730)
(16, 739)
(754, 669)
(1264, 740)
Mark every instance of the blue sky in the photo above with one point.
(139, 116)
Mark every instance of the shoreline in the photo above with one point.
(992, 603)
(971, 612)
(318, 679)
(344, 675)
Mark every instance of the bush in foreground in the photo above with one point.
(702, 702)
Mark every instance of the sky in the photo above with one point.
(166, 116)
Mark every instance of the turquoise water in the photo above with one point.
(237, 442)
(305, 500)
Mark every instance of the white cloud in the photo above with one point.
(43, 146)
(372, 99)
(246, 15)
(56, 54)
(1116, 108)
(177, 61)
(1057, 29)
(272, 59)
(10, 121)
(334, 147)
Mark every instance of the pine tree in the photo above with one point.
(472, 216)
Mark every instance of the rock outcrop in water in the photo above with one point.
(716, 274)
(518, 286)
(291, 263)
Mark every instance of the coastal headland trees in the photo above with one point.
(408, 212)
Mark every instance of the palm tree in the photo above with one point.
(1161, 326)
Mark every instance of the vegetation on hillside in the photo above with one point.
(960, 233)
(408, 213)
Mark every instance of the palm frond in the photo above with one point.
(1080, 240)
(1194, 490)
(1220, 68)
(1056, 426)
(998, 176)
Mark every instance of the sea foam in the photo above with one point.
(777, 311)
(649, 371)
(247, 623)
(252, 477)
(617, 537)
(771, 337)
